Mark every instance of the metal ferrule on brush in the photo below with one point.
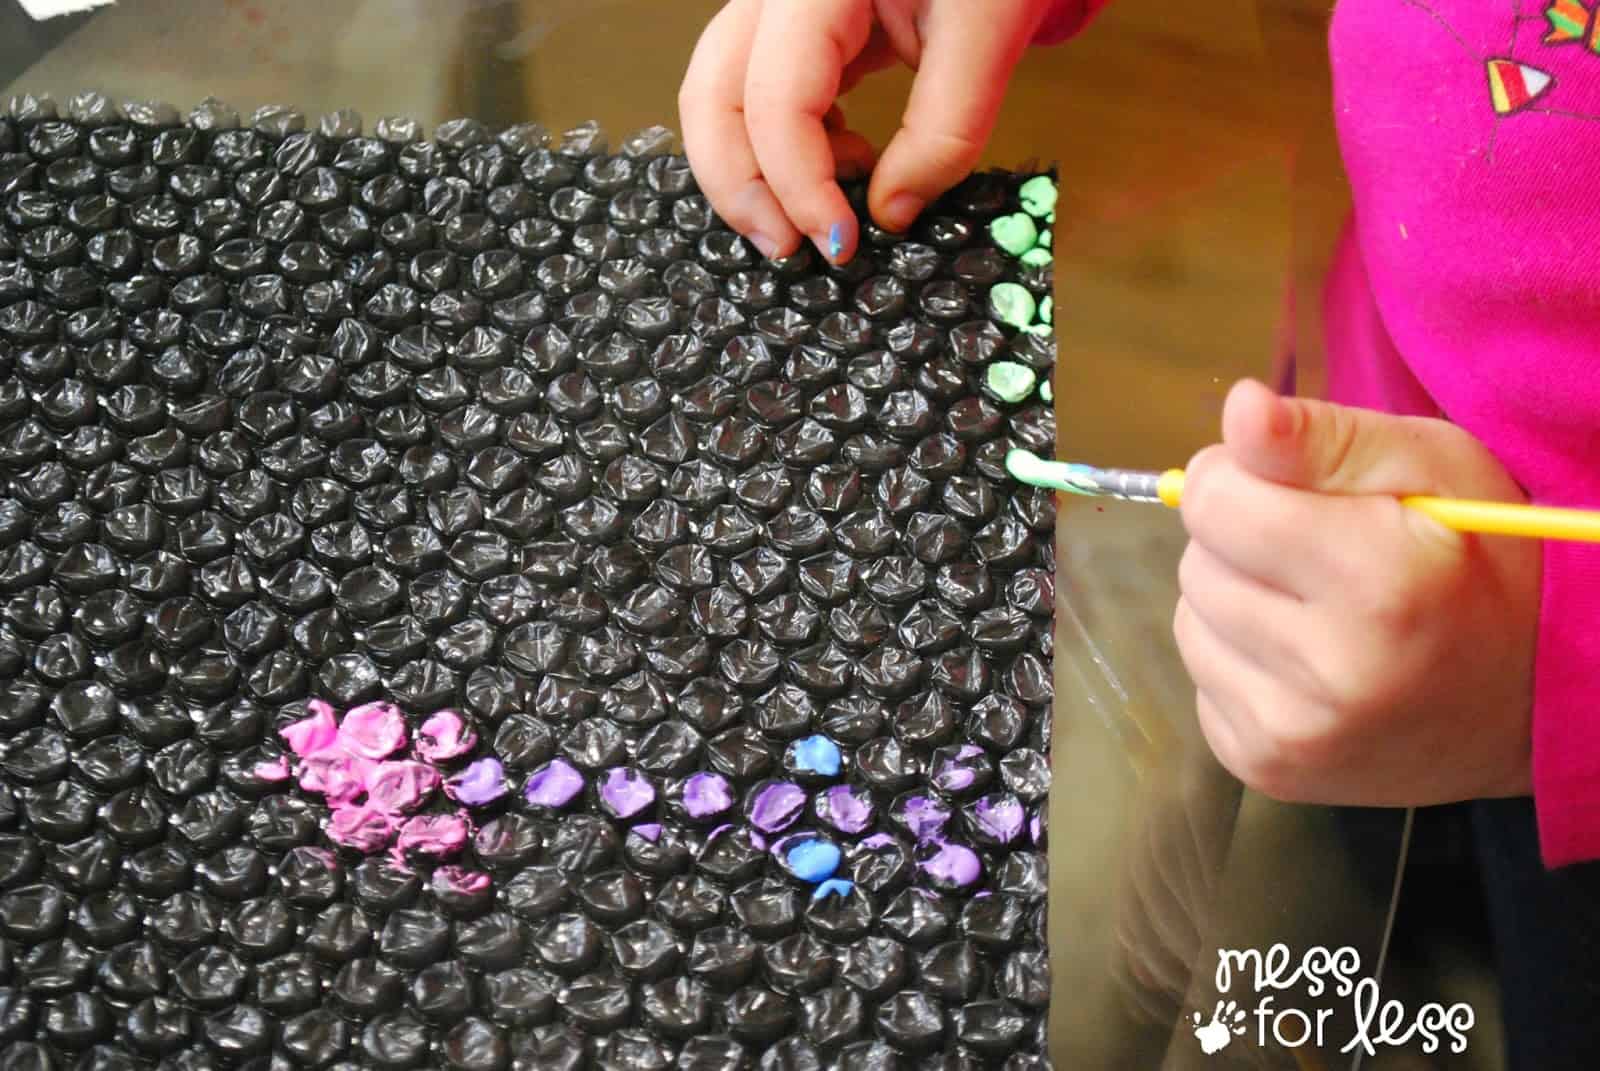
(1128, 484)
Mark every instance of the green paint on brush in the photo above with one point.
(1037, 257)
(1015, 233)
(1045, 393)
(1047, 309)
(1038, 196)
(1012, 304)
(1009, 381)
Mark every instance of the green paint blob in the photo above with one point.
(1038, 196)
(1051, 218)
(1045, 392)
(1043, 330)
(1047, 309)
(1009, 381)
(1037, 258)
(1015, 233)
(1046, 238)
(1012, 304)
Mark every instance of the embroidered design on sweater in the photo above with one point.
(1572, 23)
(1513, 86)
(1520, 83)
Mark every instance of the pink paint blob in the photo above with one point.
(373, 730)
(361, 828)
(313, 734)
(344, 779)
(272, 770)
(460, 879)
(438, 835)
(444, 736)
(398, 786)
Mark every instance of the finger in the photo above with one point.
(853, 155)
(1266, 626)
(801, 50)
(1339, 449)
(878, 54)
(711, 111)
(1230, 692)
(1300, 543)
(968, 53)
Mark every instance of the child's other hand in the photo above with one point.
(766, 139)
(1348, 650)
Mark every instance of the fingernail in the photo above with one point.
(835, 241)
(902, 210)
(768, 247)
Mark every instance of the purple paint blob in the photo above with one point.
(845, 808)
(314, 734)
(1000, 817)
(481, 782)
(1036, 829)
(444, 736)
(400, 785)
(361, 828)
(776, 806)
(626, 793)
(461, 880)
(555, 784)
(706, 794)
(951, 866)
(650, 831)
(880, 840)
(922, 816)
(438, 835)
(373, 730)
(958, 770)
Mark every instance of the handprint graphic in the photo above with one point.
(1226, 1021)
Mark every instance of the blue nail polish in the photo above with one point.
(835, 241)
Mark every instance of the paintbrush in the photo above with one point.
(1460, 514)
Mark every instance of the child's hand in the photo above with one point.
(766, 139)
(1346, 649)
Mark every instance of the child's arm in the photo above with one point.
(767, 140)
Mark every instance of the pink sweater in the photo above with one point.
(1468, 287)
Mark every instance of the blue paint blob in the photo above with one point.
(832, 887)
(835, 241)
(813, 860)
(818, 755)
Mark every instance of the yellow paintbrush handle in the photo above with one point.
(1466, 515)
(1170, 487)
(1502, 518)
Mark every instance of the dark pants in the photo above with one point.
(1546, 927)
(1474, 879)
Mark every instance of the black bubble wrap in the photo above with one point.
(518, 429)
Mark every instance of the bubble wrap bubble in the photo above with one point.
(716, 557)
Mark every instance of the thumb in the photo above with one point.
(1337, 449)
(966, 58)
